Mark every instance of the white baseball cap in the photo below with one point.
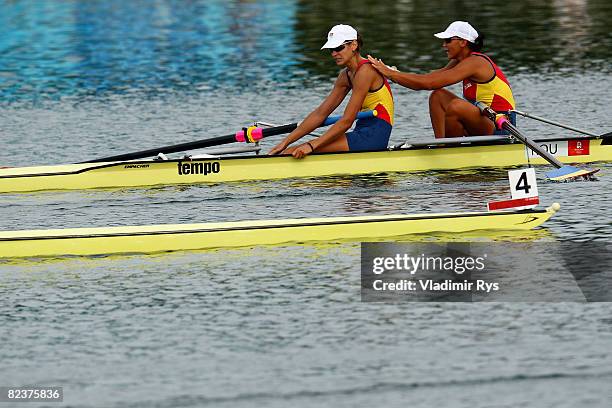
(461, 29)
(338, 35)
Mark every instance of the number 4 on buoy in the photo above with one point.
(523, 190)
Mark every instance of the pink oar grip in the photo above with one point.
(240, 136)
(253, 134)
(257, 134)
(500, 120)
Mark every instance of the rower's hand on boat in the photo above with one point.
(278, 149)
(302, 151)
(381, 67)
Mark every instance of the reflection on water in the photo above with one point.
(53, 49)
(523, 35)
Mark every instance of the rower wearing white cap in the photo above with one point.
(483, 81)
(369, 91)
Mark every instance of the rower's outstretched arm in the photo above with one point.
(449, 75)
(317, 116)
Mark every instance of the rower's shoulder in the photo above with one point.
(475, 61)
(471, 59)
(342, 80)
(478, 58)
(366, 70)
(343, 76)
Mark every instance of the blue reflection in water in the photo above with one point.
(52, 49)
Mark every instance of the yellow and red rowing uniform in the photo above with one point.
(495, 92)
(380, 100)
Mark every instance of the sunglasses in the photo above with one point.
(449, 40)
(341, 47)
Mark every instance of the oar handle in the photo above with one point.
(501, 122)
(253, 134)
(361, 115)
(488, 112)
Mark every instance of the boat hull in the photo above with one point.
(238, 168)
(162, 238)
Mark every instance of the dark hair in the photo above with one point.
(478, 43)
(359, 42)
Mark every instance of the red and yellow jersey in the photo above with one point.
(380, 100)
(496, 92)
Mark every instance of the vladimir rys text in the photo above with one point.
(435, 274)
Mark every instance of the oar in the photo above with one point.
(562, 172)
(250, 134)
(561, 125)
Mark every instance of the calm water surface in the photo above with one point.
(283, 325)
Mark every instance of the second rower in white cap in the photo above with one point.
(482, 79)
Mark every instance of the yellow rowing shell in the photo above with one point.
(236, 168)
(161, 238)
